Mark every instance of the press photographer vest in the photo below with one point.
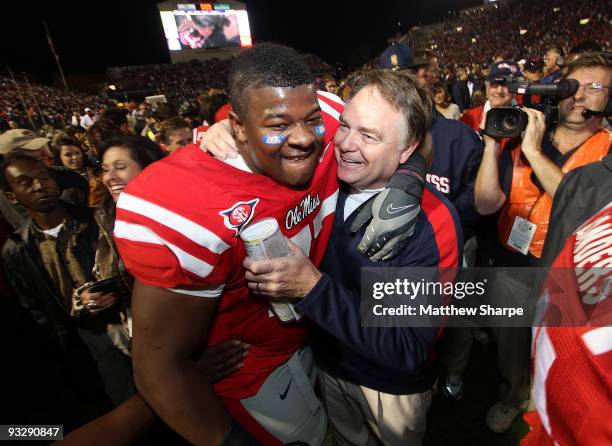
(527, 201)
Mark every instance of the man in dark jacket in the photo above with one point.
(47, 261)
(460, 91)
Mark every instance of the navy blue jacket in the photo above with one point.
(390, 360)
(457, 155)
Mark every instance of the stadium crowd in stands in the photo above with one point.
(496, 30)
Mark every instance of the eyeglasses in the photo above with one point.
(594, 88)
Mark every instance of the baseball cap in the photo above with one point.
(87, 109)
(505, 68)
(21, 139)
(399, 56)
(534, 64)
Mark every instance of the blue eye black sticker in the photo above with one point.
(274, 140)
(320, 130)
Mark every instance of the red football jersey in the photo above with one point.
(198, 133)
(573, 362)
(177, 227)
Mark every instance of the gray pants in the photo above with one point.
(286, 404)
(361, 416)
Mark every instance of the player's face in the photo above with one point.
(281, 135)
(32, 185)
(369, 144)
(118, 169)
(570, 109)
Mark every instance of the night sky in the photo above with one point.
(92, 35)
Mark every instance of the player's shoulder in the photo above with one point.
(330, 104)
(183, 191)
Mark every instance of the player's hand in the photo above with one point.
(393, 212)
(283, 278)
(219, 142)
(221, 360)
(534, 132)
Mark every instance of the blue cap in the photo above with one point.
(399, 56)
(505, 68)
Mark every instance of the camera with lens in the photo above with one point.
(509, 122)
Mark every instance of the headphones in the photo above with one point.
(559, 60)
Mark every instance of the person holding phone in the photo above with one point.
(50, 263)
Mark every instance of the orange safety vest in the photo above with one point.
(527, 201)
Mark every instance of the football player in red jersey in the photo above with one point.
(177, 229)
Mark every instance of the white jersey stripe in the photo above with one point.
(136, 233)
(209, 292)
(598, 340)
(327, 208)
(139, 233)
(330, 96)
(546, 355)
(193, 231)
(330, 110)
(303, 239)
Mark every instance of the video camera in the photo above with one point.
(509, 122)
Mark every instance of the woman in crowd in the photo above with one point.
(121, 160)
(69, 153)
(442, 100)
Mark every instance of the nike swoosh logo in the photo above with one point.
(284, 394)
(393, 210)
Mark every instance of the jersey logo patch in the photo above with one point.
(239, 215)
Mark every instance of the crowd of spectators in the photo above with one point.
(486, 34)
(184, 81)
(42, 105)
(482, 34)
(180, 82)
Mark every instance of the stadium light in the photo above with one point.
(584, 21)
(523, 31)
(459, 29)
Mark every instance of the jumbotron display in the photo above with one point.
(205, 25)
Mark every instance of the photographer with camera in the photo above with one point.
(518, 178)
(496, 84)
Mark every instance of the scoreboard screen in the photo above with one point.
(205, 25)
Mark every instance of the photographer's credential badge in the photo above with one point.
(521, 235)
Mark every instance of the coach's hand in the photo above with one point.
(283, 278)
(219, 142)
